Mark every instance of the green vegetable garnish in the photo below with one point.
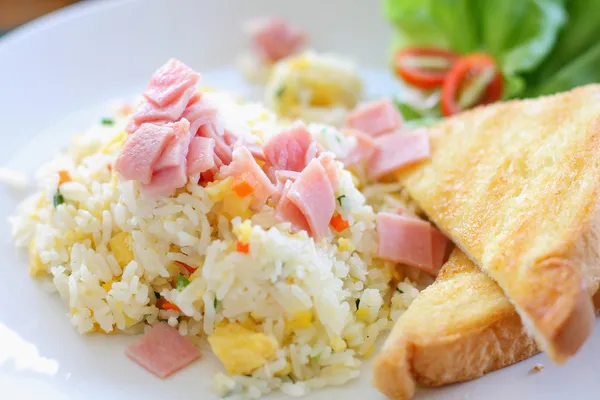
(280, 92)
(316, 358)
(357, 303)
(157, 295)
(339, 199)
(107, 121)
(181, 282)
(215, 303)
(58, 198)
(399, 291)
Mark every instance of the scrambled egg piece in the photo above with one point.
(362, 313)
(120, 245)
(115, 143)
(338, 344)
(235, 206)
(310, 86)
(36, 266)
(345, 245)
(243, 231)
(217, 190)
(242, 350)
(301, 320)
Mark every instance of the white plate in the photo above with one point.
(56, 77)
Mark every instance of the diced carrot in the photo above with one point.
(242, 188)
(189, 268)
(109, 167)
(243, 247)
(63, 177)
(338, 222)
(166, 305)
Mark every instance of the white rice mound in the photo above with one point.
(108, 252)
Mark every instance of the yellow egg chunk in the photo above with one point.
(362, 313)
(301, 320)
(235, 206)
(115, 143)
(240, 349)
(243, 231)
(217, 190)
(345, 245)
(120, 245)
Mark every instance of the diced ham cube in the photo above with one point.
(312, 193)
(285, 175)
(174, 155)
(398, 150)
(410, 241)
(275, 38)
(288, 149)
(328, 163)
(375, 118)
(200, 157)
(363, 150)
(199, 114)
(169, 83)
(244, 166)
(141, 152)
(163, 351)
(150, 112)
(164, 182)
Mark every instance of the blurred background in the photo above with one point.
(16, 12)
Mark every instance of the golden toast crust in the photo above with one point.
(516, 185)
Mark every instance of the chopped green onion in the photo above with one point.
(339, 199)
(357, 303)
(338, 139)
(58, 198)
(399, 291)
(157, 295)
(316, 358)
(181, 282)
(215, 303)
(107, 121)
(280, 92)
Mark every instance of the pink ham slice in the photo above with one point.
(281, 178)
(398, 150)
(141, 152)
(170, 171)
(312, 193)
(328, 163)
(200, 157)
(215, 131)
(244, 167)
(163, 351)
(150, 112)
(169, 83)
(288, 149)
(363, 150)
(410, 241)
(287, 211)
(199, 114)
(274, 38)
(375, 118)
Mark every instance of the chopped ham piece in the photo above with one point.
(375, 118)
(199, 114)
(150, 112)
(174, 155)
(163, 351)
(169, 83)
(397, 150)
(284, 175)
(216, 132)
(312, 193)
(244, 166)
(256, 151)
(440, 244)
(288, 149)
(200, 157)
(274, 38)
(170, 171)
(141, 152)
(328, 163)
(287, 211)
(363, 150)
(410, 241)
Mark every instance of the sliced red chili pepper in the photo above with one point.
(473, 80)
(425, 68)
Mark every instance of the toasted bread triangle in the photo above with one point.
(516, 186)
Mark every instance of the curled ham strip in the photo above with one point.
(288, 149)
(363, 150)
